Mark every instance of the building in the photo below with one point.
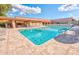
(22, 22)
(64, 21)
(31, 22)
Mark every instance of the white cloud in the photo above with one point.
(68, 7)
(75, 16)
(14, 10)
(26, 9)
(21, 13)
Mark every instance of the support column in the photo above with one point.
(13, 24)
(25, 24)
(6, 25)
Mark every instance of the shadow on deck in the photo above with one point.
(69, 39)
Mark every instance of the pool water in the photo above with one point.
(41, 35)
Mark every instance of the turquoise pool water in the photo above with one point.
(41, 35)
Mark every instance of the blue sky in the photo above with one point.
(45, 11)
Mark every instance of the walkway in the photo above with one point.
(13, 43)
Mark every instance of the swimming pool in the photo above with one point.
(41, 35)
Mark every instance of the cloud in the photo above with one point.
(21, 13)
(14, 10)
(68, 7)
(26, 9)
(75, 16)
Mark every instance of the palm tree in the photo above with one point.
(4, 8)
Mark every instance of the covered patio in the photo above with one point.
(22, 22)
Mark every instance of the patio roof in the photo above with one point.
(24, 19)
(63, 19)
(5, 18)
(37, 19)
(33, 19)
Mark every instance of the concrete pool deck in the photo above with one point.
(15, 44)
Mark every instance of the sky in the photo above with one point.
(44, 11)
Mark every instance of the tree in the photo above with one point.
(4, 8)
(77, 22)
